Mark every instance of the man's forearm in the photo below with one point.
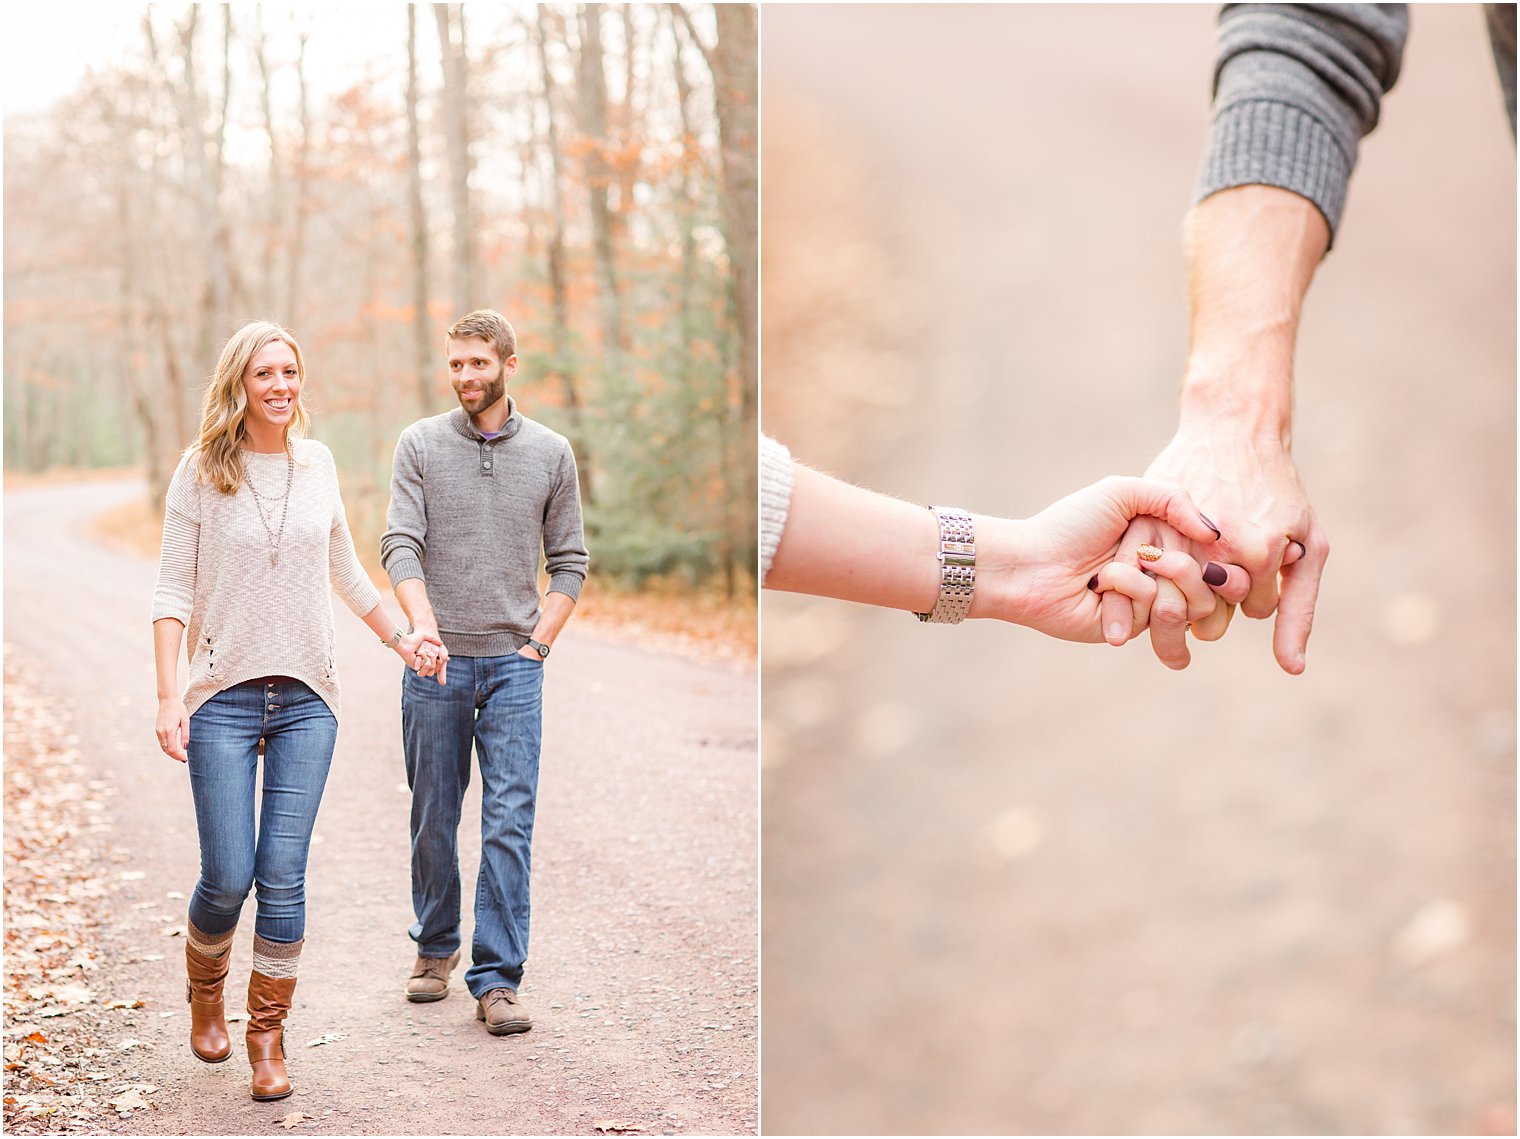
(1251, 253)
(412, 594)
(552, 616)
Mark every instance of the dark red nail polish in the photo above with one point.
(1209, 524)
(1215, 574)
(1092, 582)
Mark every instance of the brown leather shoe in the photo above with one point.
(430, 978)
(502, 1014)
(268, 1005)
(208, 1020)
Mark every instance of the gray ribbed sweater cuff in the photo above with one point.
(402, 566)
(567, 583)
(775, 498)
(1261, 142)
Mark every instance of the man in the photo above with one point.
(477, 495)
(1296, 87)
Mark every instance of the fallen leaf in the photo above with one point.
(173, 931)
(615, 1127)
(127, 1045)
(294, 1119)
(130, 1101)
(325, 1038)
(124, 1004)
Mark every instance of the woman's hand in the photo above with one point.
(172, 727)
(1170, 615)
(425, 655)
(1036, 571)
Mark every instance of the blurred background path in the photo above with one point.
(642, 976)
(1017, 886)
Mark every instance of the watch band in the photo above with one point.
(957, 567)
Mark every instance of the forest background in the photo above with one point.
(589, 170)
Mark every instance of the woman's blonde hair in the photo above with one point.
(226, 405)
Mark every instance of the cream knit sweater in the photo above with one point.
(245, 618)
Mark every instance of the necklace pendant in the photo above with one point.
(274, 556)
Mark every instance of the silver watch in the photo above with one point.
(957, 567)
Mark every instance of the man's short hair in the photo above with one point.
(490, 326)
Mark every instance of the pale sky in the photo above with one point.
(48, 45)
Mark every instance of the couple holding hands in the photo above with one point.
(255, 539)
(1125, 554)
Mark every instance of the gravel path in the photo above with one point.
(642, 981)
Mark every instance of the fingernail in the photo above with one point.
(1092, 582)
(1116, 632)
(1214, 574)
(1149, 553)
(1210, 524)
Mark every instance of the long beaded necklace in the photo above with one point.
(275, 537)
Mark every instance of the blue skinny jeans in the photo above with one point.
(299, 731)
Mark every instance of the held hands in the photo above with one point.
(424, 654)
(1269, 529)
(1050, 572)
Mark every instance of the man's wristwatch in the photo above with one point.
(539, 647)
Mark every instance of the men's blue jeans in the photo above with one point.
(496, 705)
(299, 731)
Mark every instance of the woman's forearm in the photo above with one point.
(849, 543)
(379, 622)
(167, 633)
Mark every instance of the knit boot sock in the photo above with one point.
(270, 988)
(206, 958)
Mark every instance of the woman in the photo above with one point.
(254, 539)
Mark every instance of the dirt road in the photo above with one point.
(642, 977)
(1015, 886)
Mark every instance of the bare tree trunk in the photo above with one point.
(292, 312)
(136, 354)
(733, 62)
(628, 149)
(451, 40)
(558, 288)
(592, 83)
(686, 310)
(235, 293)
(275, 216)
(422, 341)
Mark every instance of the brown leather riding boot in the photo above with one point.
(268, 1005)
(208, 1021)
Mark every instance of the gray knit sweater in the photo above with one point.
(1297, 86)
(471, 516)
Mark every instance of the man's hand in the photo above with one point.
(1249, 487)
(425, 654)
